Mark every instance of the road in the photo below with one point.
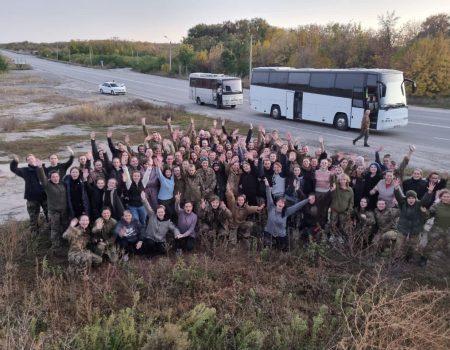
(428, 128)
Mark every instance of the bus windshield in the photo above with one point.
(395, 90)
(232, 86)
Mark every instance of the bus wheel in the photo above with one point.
(233, 106)
(275, 112)
(198, 101)
(341, 121)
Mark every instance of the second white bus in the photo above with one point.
(332, 96)
(217, 89)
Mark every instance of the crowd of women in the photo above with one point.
(212, 189)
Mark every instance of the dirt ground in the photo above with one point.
(34, 96)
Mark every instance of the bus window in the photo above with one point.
(349, 80)
(323, 80)
(297, 78)
(260, 78)
(278, 78)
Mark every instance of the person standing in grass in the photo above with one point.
(34, 192)
(57, 203)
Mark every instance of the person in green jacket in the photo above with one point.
(410, 241)
(56, 202)
(342, 199)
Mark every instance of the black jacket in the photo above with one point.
(33, 189)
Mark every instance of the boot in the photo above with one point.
(366, 145)
(354, 142)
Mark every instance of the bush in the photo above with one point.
(3, 64)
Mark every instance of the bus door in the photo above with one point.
(357, 108)
(298, 104)
(289, 112)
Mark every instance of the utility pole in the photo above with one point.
(170, 53)
(90, 54)
(250, 58)
(69, 52)
(57, 52)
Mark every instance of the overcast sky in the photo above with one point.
(147, 20)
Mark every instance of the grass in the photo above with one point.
(434, 102)
(224, 300)
(99, 118)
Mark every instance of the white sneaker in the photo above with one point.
(179, 252)
(125, 258)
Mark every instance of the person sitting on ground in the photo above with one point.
(104, 237)
(80, 258)
(153, 240)
(128, 230)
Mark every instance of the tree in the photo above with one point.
(427, 61)
(436, 25)
(186, 55)
(3, 64)
(387, 38)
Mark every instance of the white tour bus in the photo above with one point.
(332, 96)
(218, 89)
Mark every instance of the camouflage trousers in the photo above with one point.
(81, 261)
(339, 223)
(34, 209)
(108, 250)
(242, 232)
(438, 245)
(213, 238)
(58, 223)
(410, 247)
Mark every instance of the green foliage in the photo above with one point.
(168, 337)
(118, 331)
(3, 64)
(204, 328)
(248, 337)
(186, 278)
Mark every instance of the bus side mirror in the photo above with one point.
(414, 87)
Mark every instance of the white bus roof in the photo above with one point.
(211, 76)
(329, 70)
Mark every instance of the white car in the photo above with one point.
(113, 88)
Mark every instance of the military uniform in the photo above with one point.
(80, 258)
(104, 240)
(214, 227)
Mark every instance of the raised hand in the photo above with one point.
(251, 126)
(266, 182)
(126, 139)
(431, 187)
(109, 134)
(89, 155)
(169, 120)
(143, 121)
(203, 204)
(99, 224)
(380, 149)
(214, 123)
(178, 197)
(396, 183)
(222, 205)
(320, 139)
(92, 135)
(143, 196)
(333, 187)
(412, 148)
(71, 150)
(73, 222)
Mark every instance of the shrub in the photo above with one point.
(3, 64)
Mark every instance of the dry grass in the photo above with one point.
(9, 124)
(227, 300)
(379, 316)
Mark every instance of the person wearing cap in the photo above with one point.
(410, 240)
(365, 125)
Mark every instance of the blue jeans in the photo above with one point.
(138, 213)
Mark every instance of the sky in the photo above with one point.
(169, 20)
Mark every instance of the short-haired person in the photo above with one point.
(364, 132)
(34, 192)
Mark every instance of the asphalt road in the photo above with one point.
(428, 129)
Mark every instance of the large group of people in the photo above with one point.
(215, 189)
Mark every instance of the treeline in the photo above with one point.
(420, 49)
